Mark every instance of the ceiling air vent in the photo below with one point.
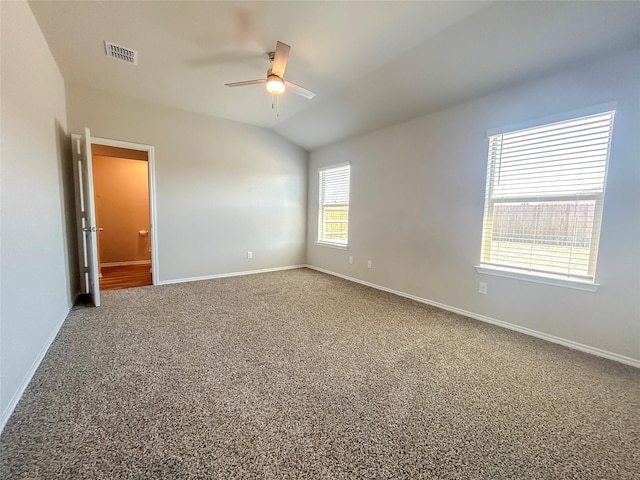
(121, 53)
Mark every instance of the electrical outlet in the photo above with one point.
(350, 259)
(249, 254)
(369, 263)
(482, 288)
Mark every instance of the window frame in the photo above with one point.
(575, 281)
(319, 240)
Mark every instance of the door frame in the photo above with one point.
(152, 194)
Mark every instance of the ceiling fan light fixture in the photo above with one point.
(275, 82)
(275, 85)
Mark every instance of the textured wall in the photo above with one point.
(417, 204)
(38, 269)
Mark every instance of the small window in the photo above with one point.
(544, 198)
(333, 210)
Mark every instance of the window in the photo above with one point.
(333, 210)
(544, 198)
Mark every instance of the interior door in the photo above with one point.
(87, 221)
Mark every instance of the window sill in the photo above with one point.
(333, 245)
(549, 279)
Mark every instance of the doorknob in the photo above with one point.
(92, 229)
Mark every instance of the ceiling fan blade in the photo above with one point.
(246, 82)
(280, 59)
(303, 92)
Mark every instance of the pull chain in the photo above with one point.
(275, 104)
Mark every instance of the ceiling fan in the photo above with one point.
(276, 84)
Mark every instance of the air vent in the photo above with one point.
(121, 53)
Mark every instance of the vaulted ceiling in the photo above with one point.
(372, 64)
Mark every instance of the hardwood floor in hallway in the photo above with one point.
(125, 276)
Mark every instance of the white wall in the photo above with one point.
(417, 194)
(223, 188)
(37, 274)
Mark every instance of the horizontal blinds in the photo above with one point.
(333, 209)
(564, 158)
(334, 185)
(545, 191)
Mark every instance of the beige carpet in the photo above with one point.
(297, 374)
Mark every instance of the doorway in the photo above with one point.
(121, 193)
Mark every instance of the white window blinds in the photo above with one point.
(544, 198)
(333, 211)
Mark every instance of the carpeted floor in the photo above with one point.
(297, 374)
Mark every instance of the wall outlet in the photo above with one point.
(249, 254)
(369, 263)
(350, 258)
(482, 288)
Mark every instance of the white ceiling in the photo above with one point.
(372, 64)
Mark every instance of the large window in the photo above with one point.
(333, 209)
(544, 198)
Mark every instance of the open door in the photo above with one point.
(83, 169)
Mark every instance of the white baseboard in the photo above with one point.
(534, 333)
(121, 264)
(6, 414)
(233, 274)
